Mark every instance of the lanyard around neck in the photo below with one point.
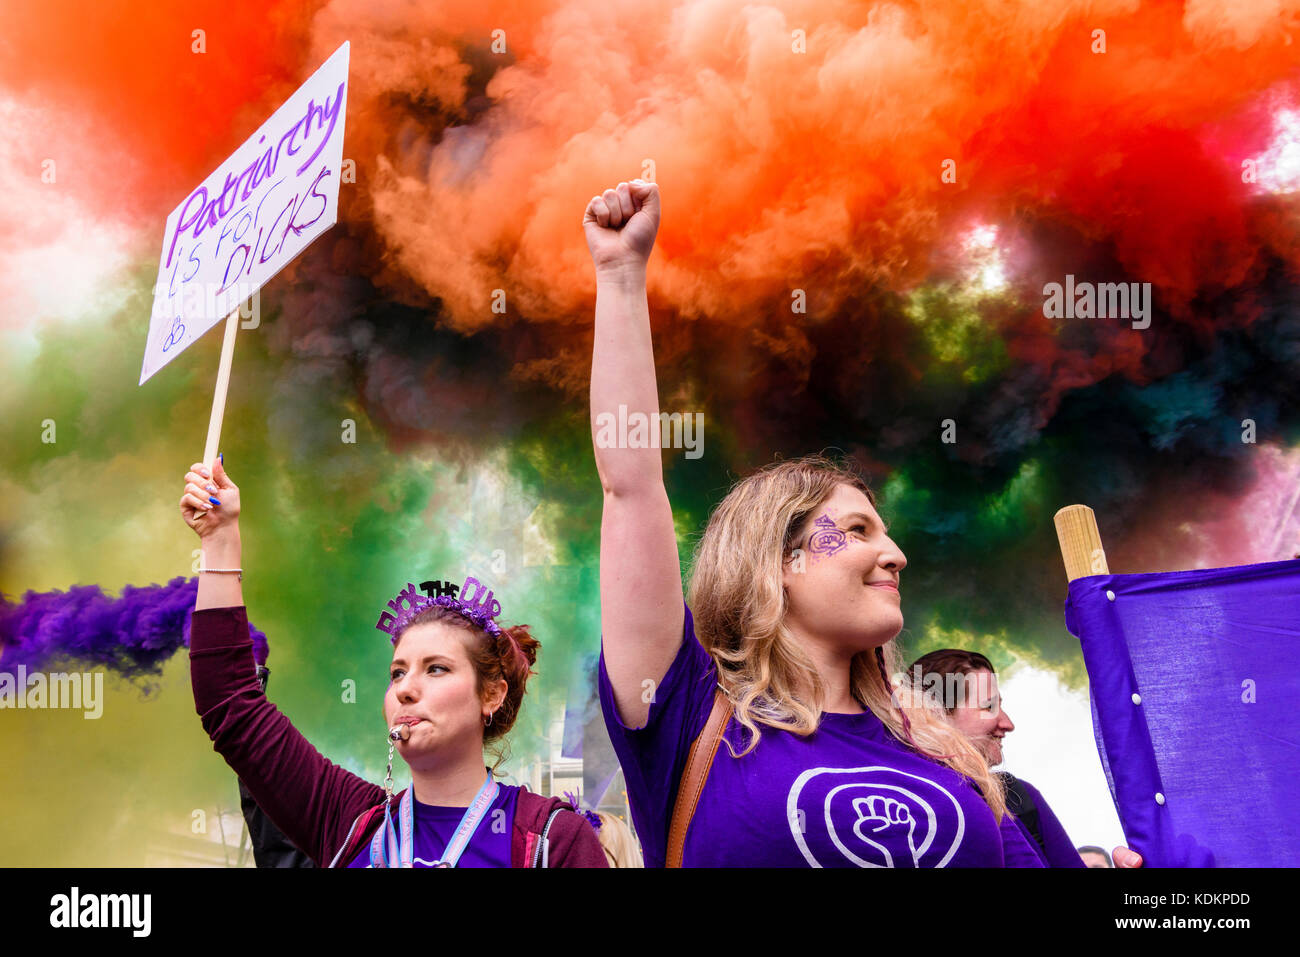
(389, 845)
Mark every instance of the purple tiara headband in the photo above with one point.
(478, 605)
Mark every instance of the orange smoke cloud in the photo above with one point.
(146, 116)
(802, 144)
(798, 144)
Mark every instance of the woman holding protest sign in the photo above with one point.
(782, 653)
(456, 684)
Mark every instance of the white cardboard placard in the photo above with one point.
(255, 213)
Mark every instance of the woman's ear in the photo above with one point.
(495, 695)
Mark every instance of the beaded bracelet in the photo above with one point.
(227, 571)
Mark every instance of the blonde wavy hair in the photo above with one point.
(739, 606)
(617, 841)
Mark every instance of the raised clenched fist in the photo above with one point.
(621, 224)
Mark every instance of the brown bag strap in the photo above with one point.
(696, 772)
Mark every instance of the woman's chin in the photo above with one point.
(875, 638)
(416, 752)
(885, 629)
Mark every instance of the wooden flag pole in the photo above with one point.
(223, 383)
(1076, 531)
(1275, 545)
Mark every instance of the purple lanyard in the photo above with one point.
(403, 849)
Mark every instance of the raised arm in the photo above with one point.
(311, 799)
(641, 610)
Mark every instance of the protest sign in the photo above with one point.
(255, 213)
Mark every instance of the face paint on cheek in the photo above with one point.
(827, 538)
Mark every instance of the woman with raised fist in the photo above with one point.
(783, 653)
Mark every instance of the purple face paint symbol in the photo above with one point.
(827, 539)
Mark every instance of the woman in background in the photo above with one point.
(618, 841)
(967, 690)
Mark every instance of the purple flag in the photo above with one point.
(1195, 680)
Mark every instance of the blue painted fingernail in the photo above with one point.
(213, 501)
(222, 456)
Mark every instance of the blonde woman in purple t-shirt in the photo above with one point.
(794, 607)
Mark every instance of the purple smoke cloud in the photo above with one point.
(132, 634)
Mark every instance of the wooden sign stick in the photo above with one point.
(223, 383)
(1080, 541)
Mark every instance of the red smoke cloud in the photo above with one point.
(821, 167)
(144, 116)
(797, 144)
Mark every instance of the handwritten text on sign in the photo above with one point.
(252, 216)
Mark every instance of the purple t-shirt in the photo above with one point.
(434, 826)
(849, 794)
(1057, 850)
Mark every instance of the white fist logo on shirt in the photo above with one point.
(888, 818)
(874, 817)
